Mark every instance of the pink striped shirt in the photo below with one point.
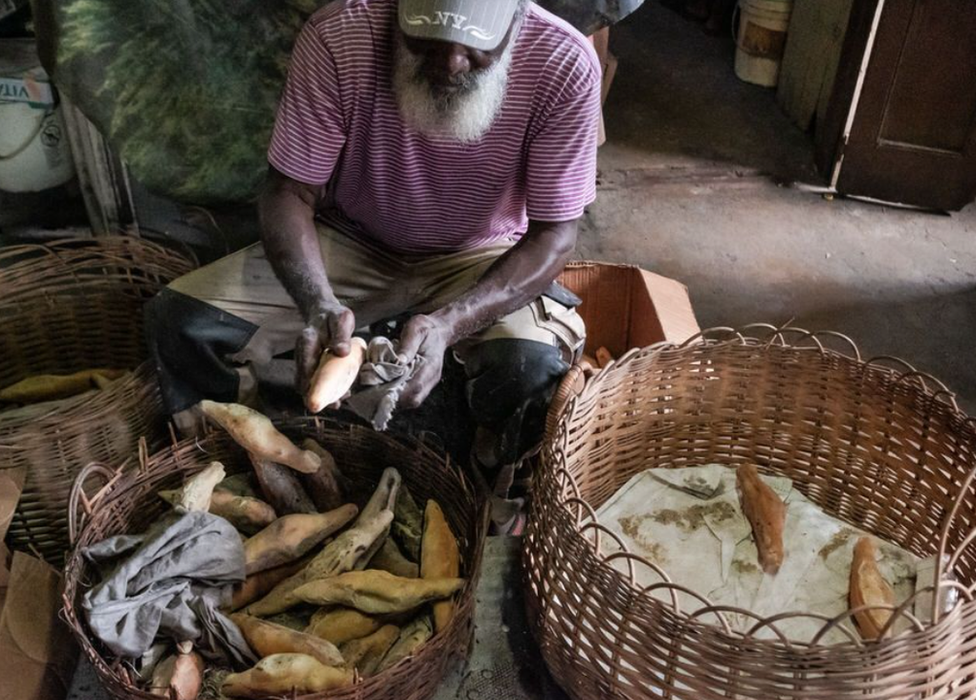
(338, 123)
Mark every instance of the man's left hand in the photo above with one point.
(426, 337)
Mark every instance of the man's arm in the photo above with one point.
(286, 209)
(520, 275)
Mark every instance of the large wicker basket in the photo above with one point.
(64, 307)
(126, 501)
(874, 443)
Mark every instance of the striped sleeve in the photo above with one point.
(561, 164)
(309, 131)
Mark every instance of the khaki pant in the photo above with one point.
(236, 314)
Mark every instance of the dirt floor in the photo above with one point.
(695, 184)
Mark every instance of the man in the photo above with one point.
(429, 157)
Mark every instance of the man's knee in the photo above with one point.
(510, 385)
(189, 341)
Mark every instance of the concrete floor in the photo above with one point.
(692, 187)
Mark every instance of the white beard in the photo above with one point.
(465, 115)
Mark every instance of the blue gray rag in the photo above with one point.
(381, 380)
(170, 582)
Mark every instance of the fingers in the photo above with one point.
(411, 340)
(341, 327)
(308, 350)
(420, 385)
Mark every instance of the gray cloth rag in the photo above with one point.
(172, 581)
(381, 379)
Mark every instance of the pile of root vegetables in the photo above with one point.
(333, 593)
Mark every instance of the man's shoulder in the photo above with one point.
(560, 43)
(342, 20)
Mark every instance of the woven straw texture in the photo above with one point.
(874, 443)
(66, 307)
(127, 502)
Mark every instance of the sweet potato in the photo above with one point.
(603, 357)
(292, 536)
(258, 585)
(338, 556)
(282, 674)
(281, 487)
(411, 638)
(53, 387)
(376, 592)
(390, 558)
(238, 485)
(267, 638)
(384, 498)
(408, 524)
(335, 376)
(257, 434)
(198, 489)
(178, 677)
(323, 485)
(366, 654)
(439, 558)
(340, 625)
(249, 515)
(869, 587)
(766, 513)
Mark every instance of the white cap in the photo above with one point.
(480, 24)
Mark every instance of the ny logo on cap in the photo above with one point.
(449, 19)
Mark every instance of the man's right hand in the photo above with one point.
(330, 328)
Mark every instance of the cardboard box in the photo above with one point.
(626, 307)
(22, 79)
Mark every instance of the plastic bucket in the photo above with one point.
(761, 40)
(34, 150)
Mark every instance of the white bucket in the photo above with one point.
(34, 150)
(763, 25)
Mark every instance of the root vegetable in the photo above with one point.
(366, 654)
(337, 557)
(178, 677)
(390, 558)
(766, 513)
(376, 592)
(267, 638)
(408, 524)
(292, 536)
(335, 376)
(281, 487)
(53, 387)
(249, 515)
(439, 558)
(281, 674)
(238, 485)
(340, 625)
(411, 638)
(257, 434)
(384, 499)
(198, 489)
(323, 485)
(603, 357)
(869, 587)
(258, 585)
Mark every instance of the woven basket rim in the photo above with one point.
(79, 406)
(559, 484)
(118, 480)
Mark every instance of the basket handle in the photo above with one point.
(80, 505)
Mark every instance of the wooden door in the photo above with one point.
(913, 134)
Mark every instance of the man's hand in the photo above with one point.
(330, 328)
(429, 338)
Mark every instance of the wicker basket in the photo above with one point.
(127, 502)
(65, 307)
(874, 443)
